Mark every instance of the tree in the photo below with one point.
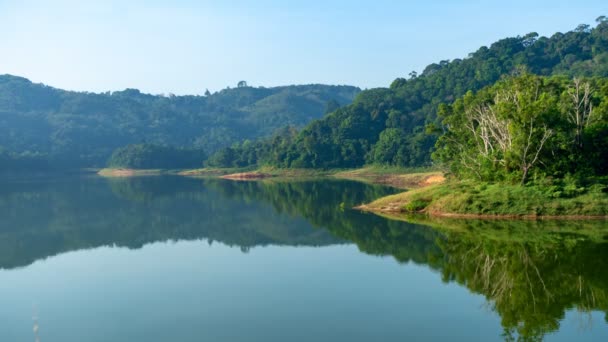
(80, 129)
(501, 130)
(242, 84)
(583, 28)
(331, 106)
(357, 127)
(581, 108)
(513, 130)
(207, 93)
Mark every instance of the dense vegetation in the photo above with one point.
(149, 156)
(392, 125)
(77, 129)
(528, 126)
(528, 145)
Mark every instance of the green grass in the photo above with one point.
(500, 199)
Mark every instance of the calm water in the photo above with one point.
(175, 259)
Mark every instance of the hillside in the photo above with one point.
(399, 125)
(42, 125)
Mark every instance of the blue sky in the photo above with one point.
(184, 47)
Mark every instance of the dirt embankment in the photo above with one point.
(433, 179)
(244, 176)
(401, 181)
(130, 172)
(117, 173)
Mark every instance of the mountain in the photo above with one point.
(61, 128)
(391, 126)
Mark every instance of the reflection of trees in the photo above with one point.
(43, 219)
(531, 285)
(529, 273)
(49, 217)
(323, 203)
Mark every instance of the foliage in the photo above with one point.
(399, 125)
(148, 156)
(416, 205)
(80, 129)
(526, 126)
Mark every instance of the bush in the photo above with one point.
(416, 205)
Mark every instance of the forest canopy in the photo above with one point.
(527, 125)
(68, 129)
(149, 156)
(399, 125)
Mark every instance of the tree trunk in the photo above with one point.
(525, 175)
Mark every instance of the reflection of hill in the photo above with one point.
(529, 271)
(323, 203)
(38, 220)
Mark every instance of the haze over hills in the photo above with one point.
(43, 125)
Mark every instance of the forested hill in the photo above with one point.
(391, 125)
(41, 124)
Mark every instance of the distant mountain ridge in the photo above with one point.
(81, 129)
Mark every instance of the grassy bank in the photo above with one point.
(471, 199)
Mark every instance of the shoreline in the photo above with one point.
(124, 172)
(427, 193)
(398, 214)
(470, 200)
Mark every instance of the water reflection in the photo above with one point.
(531, 273)
(43, 218)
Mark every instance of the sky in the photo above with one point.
(187, 46)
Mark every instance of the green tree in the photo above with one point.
(521, 124)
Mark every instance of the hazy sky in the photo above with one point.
(185, 46)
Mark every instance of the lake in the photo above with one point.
(179, 259)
